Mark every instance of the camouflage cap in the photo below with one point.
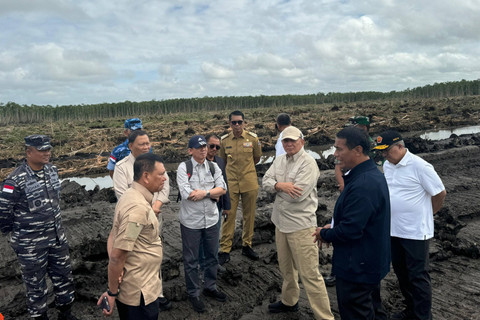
(362, 120)
(133, 124)
(38, 141)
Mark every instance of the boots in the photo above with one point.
(66, 312)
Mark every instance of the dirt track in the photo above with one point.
(250, 286)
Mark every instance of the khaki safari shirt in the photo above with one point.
(293, 214)
(238, 154)
(123, 178)
(135, 229)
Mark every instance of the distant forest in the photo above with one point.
(12, 113)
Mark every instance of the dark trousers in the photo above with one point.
(144, 312)
(410, 263)
(191, 239)
(359, 300)
(35, 263)
(201, 255)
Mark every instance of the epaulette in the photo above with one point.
(252, 134)
(224, 136)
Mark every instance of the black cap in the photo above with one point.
(387, 138)
(38, 141)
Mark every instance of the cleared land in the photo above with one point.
(250, 286)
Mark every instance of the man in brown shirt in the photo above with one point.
(137, 246)
(241, 150)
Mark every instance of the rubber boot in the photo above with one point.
(66, 312)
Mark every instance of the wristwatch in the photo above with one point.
(113, 294)
(207, 195)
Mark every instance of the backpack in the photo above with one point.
(189, 165)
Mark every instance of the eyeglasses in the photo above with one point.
(239, 122)
(214, 146)
(385, 151)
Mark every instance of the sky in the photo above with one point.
(66, 52)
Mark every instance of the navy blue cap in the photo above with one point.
(38, 141)
(133, 124)
(197, 141)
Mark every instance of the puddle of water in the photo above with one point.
(314, 151)
(91, 182)
(445, 134)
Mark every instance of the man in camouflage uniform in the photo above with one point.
(241, 150)
(30, 212)
(122, 150)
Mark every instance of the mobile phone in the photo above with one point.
(105, 305)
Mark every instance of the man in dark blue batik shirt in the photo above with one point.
(360, 229)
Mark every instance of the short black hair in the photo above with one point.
(236, 113)
(355, 137)
(208, 136)
(136, 133)
(283, 119)
(145, 163)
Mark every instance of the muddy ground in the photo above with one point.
(251, 286)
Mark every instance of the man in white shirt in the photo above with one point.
(416, 194)
(283, 122)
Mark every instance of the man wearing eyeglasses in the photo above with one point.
(241, 150)
(416, 194)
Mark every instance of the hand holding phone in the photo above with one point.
(104, 304)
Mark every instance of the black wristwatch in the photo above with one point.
(208, 194)
(113, 294)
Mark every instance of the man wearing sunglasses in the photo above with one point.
(241, 150)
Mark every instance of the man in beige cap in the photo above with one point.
(293, 177)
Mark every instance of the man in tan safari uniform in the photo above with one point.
(241, 150)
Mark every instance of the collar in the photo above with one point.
(144, 191)
(195, 163)
(296, 156)
(359, 169)
(243, 135)
(405, 160)
(131, 158)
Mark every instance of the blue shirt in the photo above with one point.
(118, 153)
(361, 234)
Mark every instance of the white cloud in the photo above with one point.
(216, 71)
(67, 52)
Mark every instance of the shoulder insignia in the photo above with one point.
(252, 134)
(224, 136)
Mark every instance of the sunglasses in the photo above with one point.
(239, 122)
(214, 146)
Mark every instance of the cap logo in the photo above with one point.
(379, 139)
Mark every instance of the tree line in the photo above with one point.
(13, 113)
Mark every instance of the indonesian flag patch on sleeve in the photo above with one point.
(7, 188)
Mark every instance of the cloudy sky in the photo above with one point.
(92, 51)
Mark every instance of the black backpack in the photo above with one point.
(189, 165)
